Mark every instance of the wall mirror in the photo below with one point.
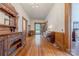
(4, 18)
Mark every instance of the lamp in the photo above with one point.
(50, 28)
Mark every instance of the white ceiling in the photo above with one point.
(37, 10)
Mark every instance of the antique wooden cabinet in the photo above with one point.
(11, 41)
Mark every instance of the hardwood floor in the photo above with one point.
(38, 46)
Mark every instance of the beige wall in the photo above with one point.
(56, 23)
(56, 17)
(21, 13)
(32, 21)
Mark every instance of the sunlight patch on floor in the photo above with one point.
(37, 40)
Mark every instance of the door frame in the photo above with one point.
(24, 19)
(35, 26)
(67, 34)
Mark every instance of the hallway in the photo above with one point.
(34, 29)
(39, 46)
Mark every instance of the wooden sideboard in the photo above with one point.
(59, 39)
(11, 44)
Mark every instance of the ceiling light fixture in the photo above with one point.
(36, 6)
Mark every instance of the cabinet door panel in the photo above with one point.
(5, 47)
(1, 48)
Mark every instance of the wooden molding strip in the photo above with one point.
(67, 24)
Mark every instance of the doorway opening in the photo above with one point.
(75, 29)
(37, 28)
